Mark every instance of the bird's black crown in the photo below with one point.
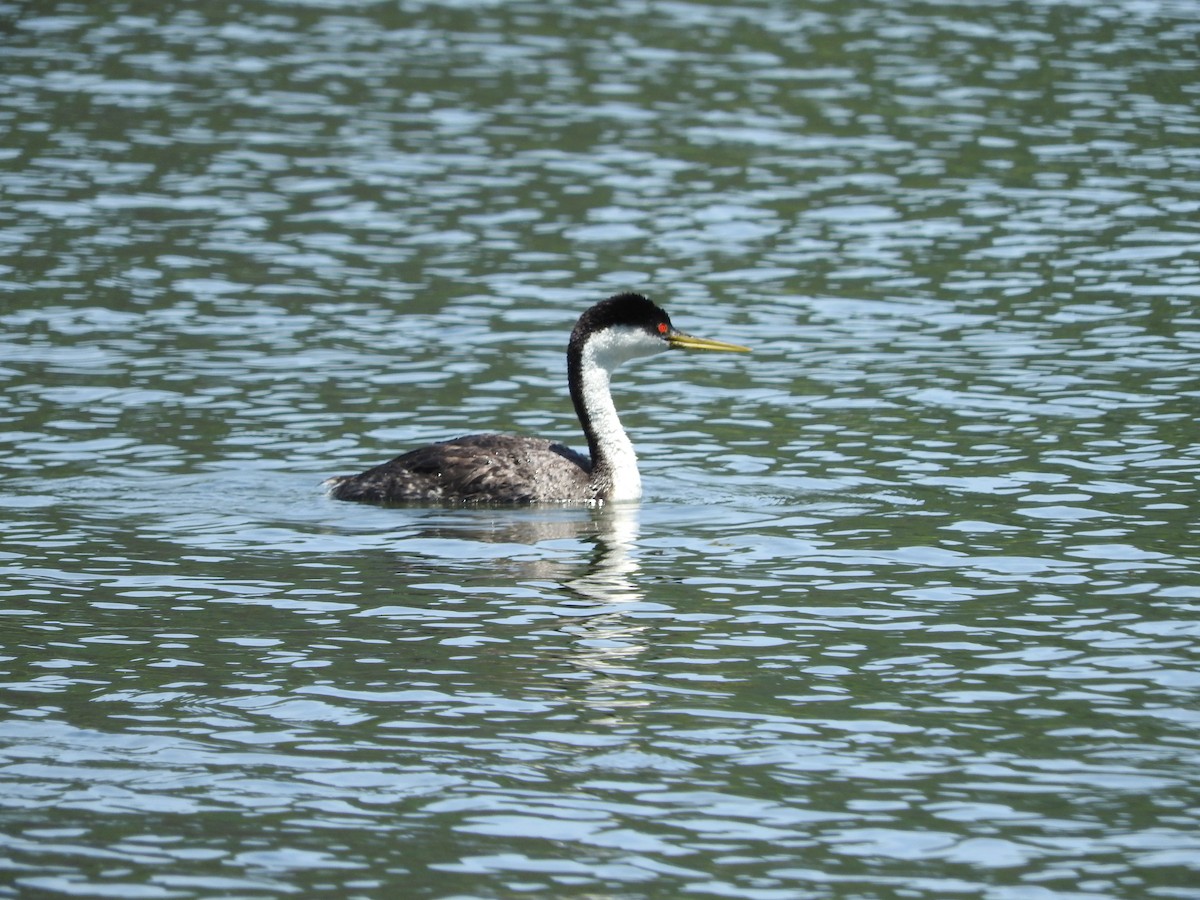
(628, 309)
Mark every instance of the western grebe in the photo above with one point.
(505, 468)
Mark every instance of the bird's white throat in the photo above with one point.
(603, 353)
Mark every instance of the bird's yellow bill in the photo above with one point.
(678, 339)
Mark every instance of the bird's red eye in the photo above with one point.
(662, 327)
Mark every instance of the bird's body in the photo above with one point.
(503, 468)
(479, 468)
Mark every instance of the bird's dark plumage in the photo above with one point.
(479, 468)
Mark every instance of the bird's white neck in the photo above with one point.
(614, 462)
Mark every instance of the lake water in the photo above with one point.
(911, 607)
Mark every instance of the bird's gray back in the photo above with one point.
(478, 468)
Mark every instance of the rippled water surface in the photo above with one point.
(910, 608)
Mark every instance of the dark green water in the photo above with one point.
(910, 608)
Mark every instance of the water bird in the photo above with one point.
(513, 469)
